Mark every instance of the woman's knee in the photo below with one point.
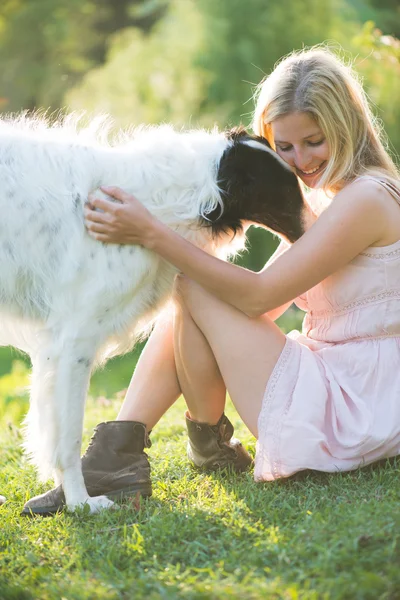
(178, 291)
(186, 290)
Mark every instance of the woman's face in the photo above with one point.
(302, 144)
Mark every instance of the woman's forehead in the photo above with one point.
(294, 126)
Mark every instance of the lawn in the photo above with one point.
(200, 536)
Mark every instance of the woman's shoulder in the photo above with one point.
(377, 198)
(368, 193)
(376, 185)
(360, 194)
(363, 192)
(355, 211)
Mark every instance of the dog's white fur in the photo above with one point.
(69, 301)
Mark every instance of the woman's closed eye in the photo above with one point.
(316, 143)
(290, 147)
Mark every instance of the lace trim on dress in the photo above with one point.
(265, 412)
(382, 255)
(277, 463)
(356, 304)
(272, 382)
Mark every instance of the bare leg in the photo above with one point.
(217, 346)
(245, 350)
(155, 387)
(198, 373)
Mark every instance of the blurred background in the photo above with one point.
(194, 63)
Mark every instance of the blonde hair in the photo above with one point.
(317, 82)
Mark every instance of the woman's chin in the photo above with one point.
(312, 181)
(313, 184)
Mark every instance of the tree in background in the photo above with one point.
(200, 63)
(151, 78)
(378, 62)
(384, 13)
(46, 46)
(220, 48)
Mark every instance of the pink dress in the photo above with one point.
(332, 402)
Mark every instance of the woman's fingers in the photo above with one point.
(94, 216)
(105, 205)
(95, 227)
(100, 237)
(126, 221)
(117, 193)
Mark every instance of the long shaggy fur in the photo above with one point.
(69, 301)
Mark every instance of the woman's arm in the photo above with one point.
(353, 222)
(275, 313)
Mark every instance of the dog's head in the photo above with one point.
(257, 186)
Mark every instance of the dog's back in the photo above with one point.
(51, 271)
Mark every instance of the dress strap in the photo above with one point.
(389, 187)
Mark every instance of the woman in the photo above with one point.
(327, 399)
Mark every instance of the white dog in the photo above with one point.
(69, 301)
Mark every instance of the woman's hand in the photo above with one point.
(123, 222)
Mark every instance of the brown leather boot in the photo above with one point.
(114, 465)
(212, 447)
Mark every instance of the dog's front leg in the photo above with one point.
(71, 385)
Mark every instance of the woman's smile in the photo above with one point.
(312, 172)
(302, 144)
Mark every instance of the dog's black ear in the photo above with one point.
(239, 134)
(236, 133)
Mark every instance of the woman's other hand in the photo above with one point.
(124, 222)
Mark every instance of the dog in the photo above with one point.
(71, 302)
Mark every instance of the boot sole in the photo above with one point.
(228, 465)
(144, 491)
(221, 467)
(48, 511)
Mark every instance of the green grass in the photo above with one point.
(200, 536)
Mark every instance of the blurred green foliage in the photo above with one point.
(47, 46)
(189, 62)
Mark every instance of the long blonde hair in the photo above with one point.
(317, 82)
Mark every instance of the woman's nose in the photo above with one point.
(302, 159)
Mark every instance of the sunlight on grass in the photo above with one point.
(14, 393)
(201, 535)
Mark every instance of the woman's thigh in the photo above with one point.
(246, 349)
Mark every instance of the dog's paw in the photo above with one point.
(93, 505)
